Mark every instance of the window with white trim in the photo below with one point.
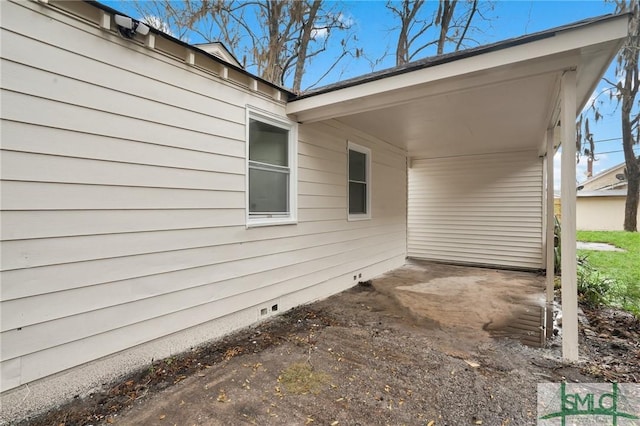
(359, 177)
(271, 169)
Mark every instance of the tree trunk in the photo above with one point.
(448, 7)
(402, 50)
(305, 37)
(272, 69)
(631, 205)
(629, 89)
(407, 15)
(633, 170)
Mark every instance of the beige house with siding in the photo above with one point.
(156, 196)
(612, 178)
(601, 200)
(601, 210)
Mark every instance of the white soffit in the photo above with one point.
(501, 100)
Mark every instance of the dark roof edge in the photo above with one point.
(602, 173)
(454, 56)
(157, 32)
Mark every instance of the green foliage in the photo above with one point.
(557, 231)
(300, 379)
(622, 268)
(593, 286)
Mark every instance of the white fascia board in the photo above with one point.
(603, 193)
(308, 109)
(352, 100)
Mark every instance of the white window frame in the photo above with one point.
(363, 150)
(257, 219)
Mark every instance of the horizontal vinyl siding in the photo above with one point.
(123, 200)
(483, 209)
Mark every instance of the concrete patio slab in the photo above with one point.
(473, 300)
(581, 245)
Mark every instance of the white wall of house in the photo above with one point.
(123, 198)
(600, 213)
(478, 209)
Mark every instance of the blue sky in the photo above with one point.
(508, 19)
(373, 24)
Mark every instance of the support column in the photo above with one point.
(549, 240)
(568, 235)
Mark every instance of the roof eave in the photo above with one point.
(557, 44)
(289, 94)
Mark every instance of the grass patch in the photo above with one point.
(622, 268)
(300, 378)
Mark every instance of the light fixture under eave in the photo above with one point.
(129, 27)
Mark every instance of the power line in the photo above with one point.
(615, 152)
(607, 140)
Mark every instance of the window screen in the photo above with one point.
(268, 169)
(358, 182)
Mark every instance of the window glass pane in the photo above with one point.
(268, 144)
(268, 191)
(357, 166)
(357, 198)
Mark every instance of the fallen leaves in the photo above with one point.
(231, 352)
(350, 383)
(278, 391)
(222, 396)
(179, 378)
(271, 414)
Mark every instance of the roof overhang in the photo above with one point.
(498, 98)
(602, 193)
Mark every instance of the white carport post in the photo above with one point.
(549, 234)
(568, 235)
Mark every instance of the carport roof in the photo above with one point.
(494, 98)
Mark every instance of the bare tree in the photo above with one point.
(276, 37)
(625, 91)
(421, 27)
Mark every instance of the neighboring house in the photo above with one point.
(601, 210)
(613, 178)
(557, 206)
(156, 197)
(601, 199)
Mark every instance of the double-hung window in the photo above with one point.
(271, 171)
(359, 182)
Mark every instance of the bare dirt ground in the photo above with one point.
(358, 358)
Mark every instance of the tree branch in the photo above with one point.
(466, 27)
